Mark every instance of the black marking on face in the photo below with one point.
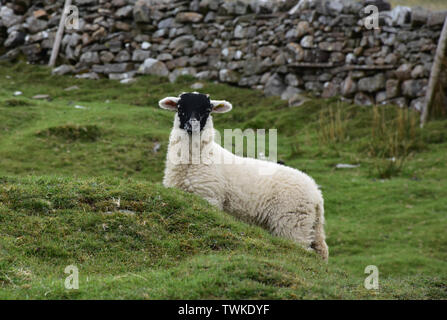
(193, 107)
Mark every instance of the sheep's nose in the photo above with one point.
(194, 124)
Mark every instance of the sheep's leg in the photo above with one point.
(319, 243)
(302, 228)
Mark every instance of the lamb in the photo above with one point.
(286, 202)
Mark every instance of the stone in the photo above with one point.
(164, 57)
(274, 86)
(392, 88)
(124, 12)
(266, 51)
(307, 42)
(142, 11)
(8, 18)
(331, 89)
(419, 16)
(182, 42)
(41, 97)
(363, 99)
(404, 72)
(418, 104)
(40, 13)
(381, 97)
(140, 55)
(292, 80)
(331, 46)
(153, 67)
(348, 87)
(372, 84)
(314, 86)
(63, 69)
(414, 88)
(418, 72)
(197, 86)
(36, 25)
(297, 51)
(106, 56)
(289, 93)
(182, 72)
(122, 56)
(436, 18)
(89, 58)
(88, 75)
(122, 76)
(297, 100)
(188, 17)
(166, 23)
(230, 76)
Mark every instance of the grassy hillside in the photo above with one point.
(65, 162)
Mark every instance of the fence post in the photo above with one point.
(60, 32)
(435, 74)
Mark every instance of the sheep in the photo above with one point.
(286, 202)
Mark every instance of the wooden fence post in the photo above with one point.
(435, 74)
(60, 32)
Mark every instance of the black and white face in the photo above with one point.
(194, 109)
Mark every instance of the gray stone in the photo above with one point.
(88, 75)
(437, 18)
(140, 55)
(153, 67)
(122, 56)
(89, 58)
(292, 80)
(8, 18)
(363, 99)
(414, 88)
(63, 69)
(418, 72)
(182, 42)
(230, 76)
(124, 12)
(372, 84)
(418, 104)
(106, 56)
(392, 88)
(36, 25)
(404, 72)
(274, 86)
(182, 72)
(297, 100)
(348, 87)
(289, 93)
(189, 17)
(307, 42)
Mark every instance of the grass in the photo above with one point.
(82, 186)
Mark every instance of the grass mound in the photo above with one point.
(71, 132)
(132, 238)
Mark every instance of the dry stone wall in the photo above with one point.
(282, 47)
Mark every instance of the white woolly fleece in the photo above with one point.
(288, 203)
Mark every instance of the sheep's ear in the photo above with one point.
(169, 103)
(221, 106)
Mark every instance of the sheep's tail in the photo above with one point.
(319, 242)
